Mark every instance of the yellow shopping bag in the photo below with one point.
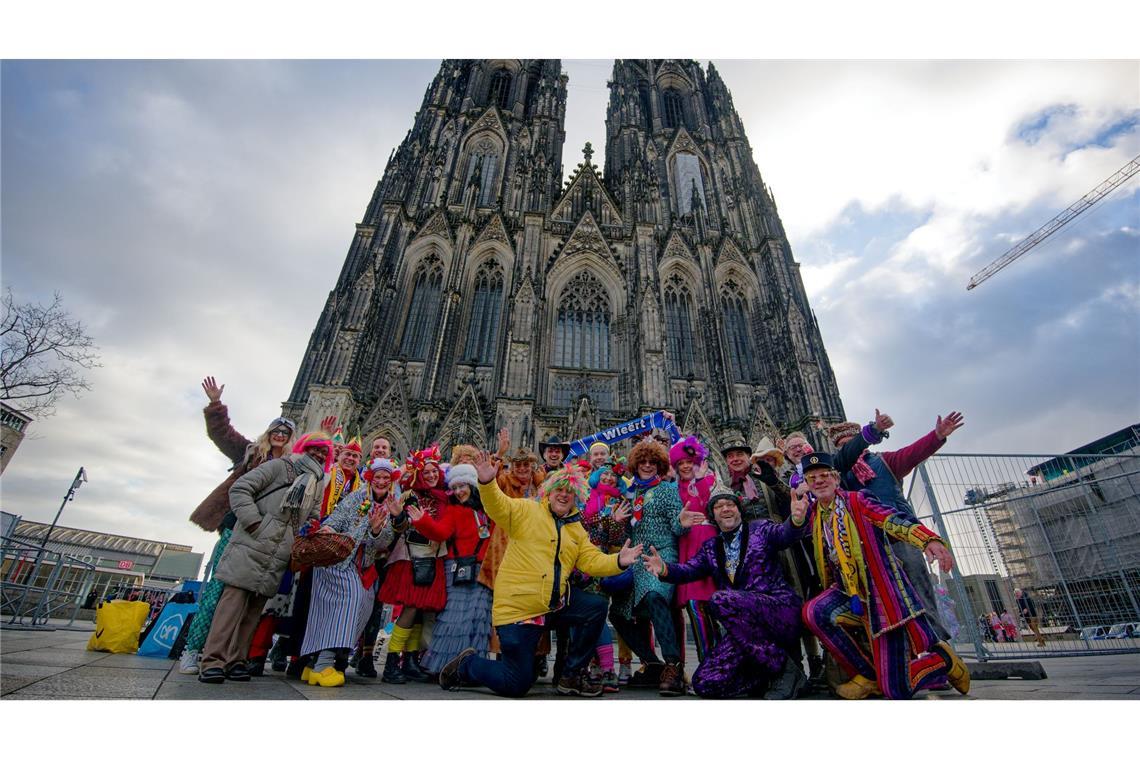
(117, 627)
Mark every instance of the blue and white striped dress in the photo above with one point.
(340, 605)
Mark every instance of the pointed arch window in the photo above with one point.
(582, 327)
(646, 110)
(741, 353)
(500, 89)
(482, 168)
(486, 310)
(424, 309)
(674, 108)
(679, 328)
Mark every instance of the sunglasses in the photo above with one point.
(281, 431)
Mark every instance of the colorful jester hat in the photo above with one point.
(315, 441)
(687, 448)
(355, 445)
(570, 479)
(417, 461)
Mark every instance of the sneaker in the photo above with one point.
(624, 670)
(577, 685)
(449, 679)
(672, 683)
(212, 675)
(610, 682)
(188, 662)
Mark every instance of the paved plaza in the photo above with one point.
(54, 664)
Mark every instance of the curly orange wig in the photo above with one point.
(652, 451)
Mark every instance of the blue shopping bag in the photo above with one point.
(164, 633)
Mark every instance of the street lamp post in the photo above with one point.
(80, 479)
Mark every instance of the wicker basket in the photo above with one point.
(321, 549)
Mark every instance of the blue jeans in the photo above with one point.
(513, 675)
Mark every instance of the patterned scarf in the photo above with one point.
(732, 553)
(743, 484)
(862, 471)
(842, 543)
(640, 489)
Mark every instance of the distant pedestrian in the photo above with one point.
(1028, 610)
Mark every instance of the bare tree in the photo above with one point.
(43, 354)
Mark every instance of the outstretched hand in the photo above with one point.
(622, 512)
(414, 511)
(377, 519)
(504, 442)
(484, 467)
(653, 562)
(883, 422)
(328, 424)
(945, 426)
(628, 554)
(688, 519)
(213, 390)
(936, 551)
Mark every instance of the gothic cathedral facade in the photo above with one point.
(480, 291)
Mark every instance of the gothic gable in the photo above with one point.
(695, 421)
(436, 225)
(591, 187)
(586, 238)
(676, 246)
(494, 232)
(391, 416)
(490, 120)
(730, 252)
(464, 423)
(683, 143)
(762, 425)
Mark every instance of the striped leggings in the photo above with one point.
(702, 626)
(900, 660)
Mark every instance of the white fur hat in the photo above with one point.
(462, 473)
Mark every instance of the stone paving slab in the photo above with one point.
(134, 662)
(52, 657)
(94, 683)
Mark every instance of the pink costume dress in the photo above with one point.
(694, 498)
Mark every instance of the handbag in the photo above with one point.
(423, 571)
(466, 567)
(321, 549)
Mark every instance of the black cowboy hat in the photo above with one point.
(553, 441)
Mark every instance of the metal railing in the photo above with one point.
(38, 585)
(1063, 530)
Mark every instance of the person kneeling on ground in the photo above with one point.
(547, 542)
(754, 603)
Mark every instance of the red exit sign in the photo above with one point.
(126, 564)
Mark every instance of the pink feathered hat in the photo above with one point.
(315, 441)
(687, 448)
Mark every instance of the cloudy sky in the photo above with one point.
(194, 214)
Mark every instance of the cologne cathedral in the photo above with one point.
(482, 291)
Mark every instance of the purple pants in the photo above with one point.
(760, 631)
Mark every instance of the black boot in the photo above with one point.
(411, 668)
(256, 666)
(392, 672)
(365, 666)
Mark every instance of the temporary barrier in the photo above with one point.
(1046, 549)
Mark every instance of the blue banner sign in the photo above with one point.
(621, 431)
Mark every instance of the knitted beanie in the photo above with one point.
(462, 473)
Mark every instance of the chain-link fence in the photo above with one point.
(1047, 550)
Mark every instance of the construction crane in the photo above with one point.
(1057, 222)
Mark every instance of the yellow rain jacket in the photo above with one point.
(542, 551)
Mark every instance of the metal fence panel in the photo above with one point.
(1062, 529)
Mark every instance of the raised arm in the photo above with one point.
(904, 460)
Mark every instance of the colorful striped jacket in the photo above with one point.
(892, 600)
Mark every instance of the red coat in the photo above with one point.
(458, 526)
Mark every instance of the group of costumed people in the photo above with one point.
(791, 556)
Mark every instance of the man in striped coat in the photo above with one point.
(867, 592)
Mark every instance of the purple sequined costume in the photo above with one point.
(757, 608)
